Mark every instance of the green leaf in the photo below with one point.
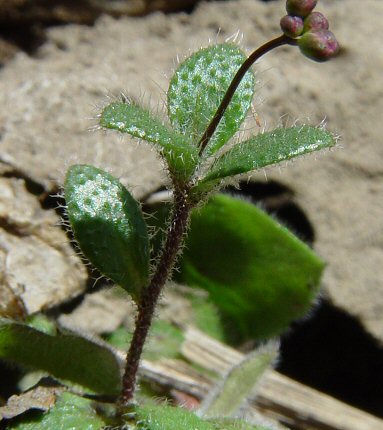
(206, 317)
(70, 412)
(129, 118)
(269, 148)
(161, 417)
(65, 356)
(109, 227)
(197, 88)
(258, 274)
(165, 340)
(235, 424)
(230, 394)
(169, 418)
(42, 323)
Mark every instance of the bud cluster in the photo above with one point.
(310, 28)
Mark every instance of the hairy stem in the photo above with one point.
(173, 243)
(258, 53)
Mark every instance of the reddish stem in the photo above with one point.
(177, 228)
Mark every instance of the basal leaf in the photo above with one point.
(129, 118)
(260, 277)
(206, 317)
(270, 148)
(197, 88)
(230, 394)
(236, 424)
(65, 356)
(42, 323)
(109, 227)
(160, 417)
(70, 412)
(169, 418)
(164, 341)
(258, 274)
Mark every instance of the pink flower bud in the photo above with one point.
(319, 45)
(292, 26)
(300, 7)
(315, 21)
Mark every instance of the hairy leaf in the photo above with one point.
(70, 412)
(65, 356)
(162, 417)
(230, 394)
(270, 148)
(197, 88)
(129, 118)
(258, 274)
(164, 341)
(109, 227)
(169, 418)
(235, 424)
(206, 317)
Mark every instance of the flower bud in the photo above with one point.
(292, 26)
(300, 7)
(319, 45)
(315, 21)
